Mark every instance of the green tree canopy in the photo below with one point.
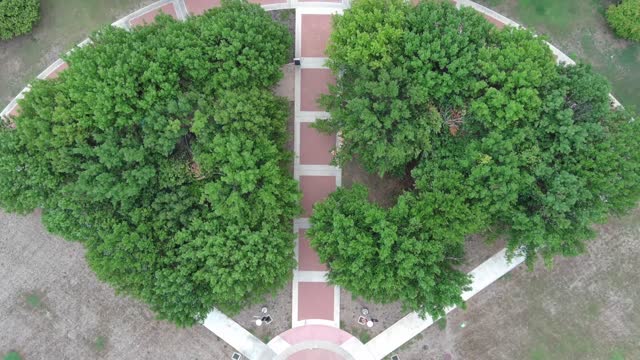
(495, 136)
(162, 150)
(392, 254)
(17, 17)
(624, 18)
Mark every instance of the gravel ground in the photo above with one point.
(279, 308)
(53, 307)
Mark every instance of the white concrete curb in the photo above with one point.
(238, 337)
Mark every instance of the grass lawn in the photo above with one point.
(63, 24)
(580, 30)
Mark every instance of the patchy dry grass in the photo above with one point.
(584, 308)
(579, 28)
(53, 307)
(63, 24)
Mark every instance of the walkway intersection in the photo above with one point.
(315, 332)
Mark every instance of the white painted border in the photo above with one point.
(324, 322)
(180, 11)
(310, 276)
(313, 63)
(43, 75)
(316, 344)
(302, 223)
(294, 302)
(278, 344)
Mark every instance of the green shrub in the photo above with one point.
(17, 17)
(624, 18)
(12, 356)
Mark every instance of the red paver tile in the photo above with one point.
(315, 301)
(56, 72)
(315, 31)
(150, 16)
(268, 2)
(315, 354)
(15, 111)
(315, 147)
(315, 332)
(313, 83)
(8, 118)
(308, 259)
(198, 7)
(314, 189)
(499, 24)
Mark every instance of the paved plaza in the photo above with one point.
(315, 325)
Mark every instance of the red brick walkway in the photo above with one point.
(315, 301)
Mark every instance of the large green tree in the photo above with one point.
(490, 132)
(387, 255)
(394, 63)
(162, 150)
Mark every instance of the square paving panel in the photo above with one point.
(315, 301)
(315, 31)
(198, 7)
(314, 189)
(308, 259)
(315, 147)
(313, 83)
(150, 17)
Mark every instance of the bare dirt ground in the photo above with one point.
(286, 17)
(350, 310)
(279, 307)
(477, 251)
(584, 308)
(53, 307)
(383, 191)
